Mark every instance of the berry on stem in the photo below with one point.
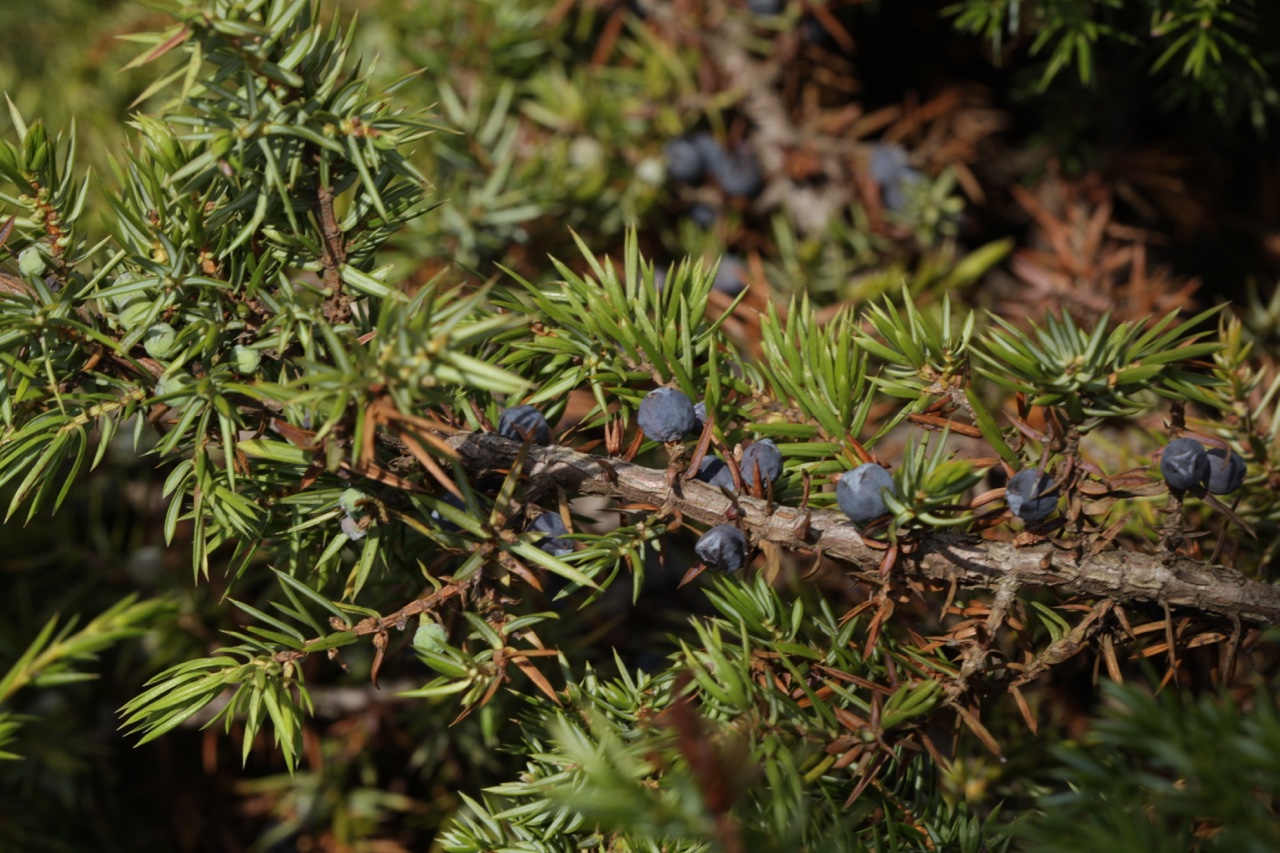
(1031, 497)
(762, 456)
(552, 524)
(431, 636)
(684, 161)
(666, 415)
(1184, 463)
(889, 169)
(723, 547)
(704, 216)
(700, 415)
(860, 492)
(731, 276)
(713, 470)
(159, 341)
(441, 520)
(1226, 471)
(737, 173)
(522, 422)
(350, 500)
(351, 528)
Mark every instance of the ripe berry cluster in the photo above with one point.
(864, 494)
(698, 158)
(1187, 464)
(691, 159)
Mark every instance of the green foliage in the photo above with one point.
(1097, 374)
(923, 356)
(1167, 774)
(252, 304)
(611, 333)
(629, 760)
(1207, 52)
(932, 487)
(58, 655)
(820, 372)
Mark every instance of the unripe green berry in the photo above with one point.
(586, 152)
(247, 359)
(650, 171)
(123, 300)
(31, 262)
(159, 340)
(172, 385)
(350, 502)
(430, 636)
(135, 313)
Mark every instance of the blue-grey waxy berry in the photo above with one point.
(351, 528)
(737, 173)
(552, 524)
(723, 547)
(888, 162)
(762, 456)
(703, 215)
(521, 422)
(1184, 463)
(713, 470)
(765, 7)
(707, 146)
(1029, 497)
(1226, 471)
(889, 169)
(700, 415)
(666, 415)
(812, 31)
(731, 276)
(685, 161)
(859, 492)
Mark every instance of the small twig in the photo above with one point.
(374, 625)
(333, 254)
(1070, 645)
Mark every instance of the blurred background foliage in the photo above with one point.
(1092, 157)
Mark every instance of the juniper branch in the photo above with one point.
(1121, 575)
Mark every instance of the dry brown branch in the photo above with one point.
(1120, 575)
